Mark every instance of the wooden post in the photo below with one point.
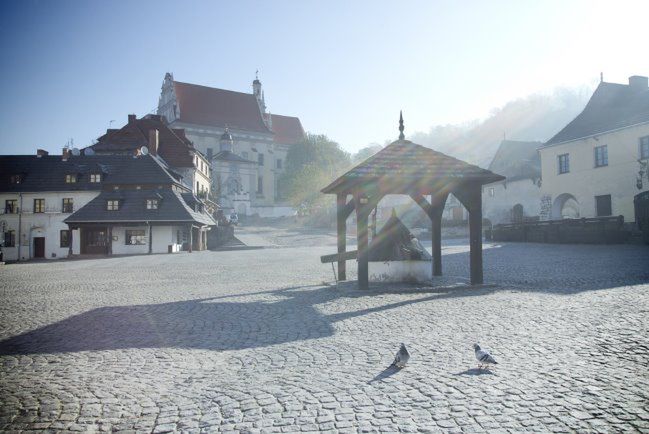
(475, 235)
(436, 232)
(109, 245)
(191, 239)
(150, 238)
(363, 248)
(341, 225)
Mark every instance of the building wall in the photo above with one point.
(584, 181)
(47, 224)
(498, 207)
(163, 236)
(249, 146)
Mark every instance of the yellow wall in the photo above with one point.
(585, 181)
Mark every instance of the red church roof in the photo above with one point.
(202, 105)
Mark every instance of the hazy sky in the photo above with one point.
(345, 68)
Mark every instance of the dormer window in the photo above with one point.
(95, 177)
(16, 179)
(70, 178)
(152, 204)
(112, 205)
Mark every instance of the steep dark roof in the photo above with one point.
(611, 107)
(231, 156)
(173, 146)
(517, 160)
(405, 163)
(47, 173)
(204, 105)
(172, 207)
(394, 242)
(288, 129)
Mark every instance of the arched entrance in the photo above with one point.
(565, 206)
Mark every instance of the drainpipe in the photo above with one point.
(20, 224)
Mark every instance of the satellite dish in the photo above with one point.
(89, 151)
(76, 152)
(144, 150)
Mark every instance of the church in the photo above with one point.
(245, 144)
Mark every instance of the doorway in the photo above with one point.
(39, 247)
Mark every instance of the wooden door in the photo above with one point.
(94, 241)
(39, 247)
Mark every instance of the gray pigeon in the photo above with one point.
(402, 357)
(483, 357)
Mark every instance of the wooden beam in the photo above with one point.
(346, 256)
(150, 239)
(436, 241)
(471, 197)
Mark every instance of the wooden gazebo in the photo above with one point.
(404, 167)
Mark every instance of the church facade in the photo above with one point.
(246, 179)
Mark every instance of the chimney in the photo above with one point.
(638, 82)
(65, 154)
(154, 138)
(41, 152)
(131, 118)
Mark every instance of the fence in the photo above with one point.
(599, 230)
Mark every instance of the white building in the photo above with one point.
(591, 167)
(204, 113)
(518, 197)
(57, 206)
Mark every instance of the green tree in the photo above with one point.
(311, 164)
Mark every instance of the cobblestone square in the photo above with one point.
(264, 341)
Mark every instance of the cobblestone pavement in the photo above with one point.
(254, 341)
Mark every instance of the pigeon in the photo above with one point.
(483, 357)
(401, 358)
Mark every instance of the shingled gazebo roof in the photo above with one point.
(404, 166)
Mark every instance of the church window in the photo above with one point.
(564, 163)
(260, 159)
(260, 185)
(601, 156)
(279, 163)
(644, 147)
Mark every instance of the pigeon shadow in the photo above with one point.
(476, 371)
(387, 373)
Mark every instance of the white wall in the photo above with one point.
(497, 208)
(585, 181)
(163, 236)
(47, 224)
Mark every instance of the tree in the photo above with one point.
(366, 152)
(311, 164)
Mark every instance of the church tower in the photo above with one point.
(259, 94)
(168, 104)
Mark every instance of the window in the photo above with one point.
(70, 179)
(601, 156)
(95, 177)
(112, 205)
(11, 206)
(68, 204)
(492, 192)
(644, 147)
(564, 163)
(16, 179)
(244, 155)
(260, 159)
(260, 185)
(65, 238)
(279, 163)
(10, 239)
(135, 237)
(152, 204)
(39, 205)
(603, 205)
